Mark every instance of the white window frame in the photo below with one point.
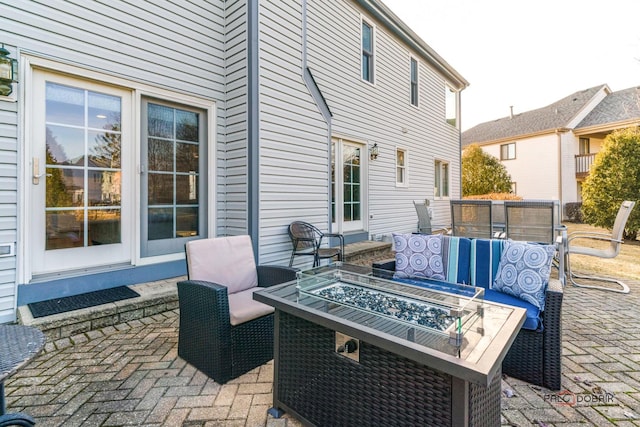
(510, 149)
(451, 95)
(439, 174)
(402, 179)
(372, 56)
(413, 59)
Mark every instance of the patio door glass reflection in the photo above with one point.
(83, 169)
(172, 189)
(346, 185)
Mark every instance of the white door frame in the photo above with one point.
(338, 223)
(29, 63)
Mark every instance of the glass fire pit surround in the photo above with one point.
(447, 321)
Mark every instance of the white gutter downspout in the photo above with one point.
(559, 136)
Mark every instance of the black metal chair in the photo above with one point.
(223, 331)
(532, 220)
(472, 218)
(307, 241)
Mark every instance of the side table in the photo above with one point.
(18, 345)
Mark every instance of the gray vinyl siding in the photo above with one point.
(232, 163)
(378, 113)
(8, 206)
(294, 156)
(179, 46)
(134, 40)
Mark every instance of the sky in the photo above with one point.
(528, 54)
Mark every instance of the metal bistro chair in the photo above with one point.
(532, 220)
(615, 239)
(472, 218)
(307, 241)
(424, 219)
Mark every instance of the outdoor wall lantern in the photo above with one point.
(373, 151)
(8, 72)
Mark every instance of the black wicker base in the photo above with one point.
(323, 388)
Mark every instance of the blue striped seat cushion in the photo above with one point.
(456, 255)
(485, 258)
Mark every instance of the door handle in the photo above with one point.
(36, 171)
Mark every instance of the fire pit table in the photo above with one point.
(354, 348)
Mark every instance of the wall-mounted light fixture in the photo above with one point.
(373, 151)
(8, 72)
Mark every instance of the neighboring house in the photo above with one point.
(548, 151)
(134, 127)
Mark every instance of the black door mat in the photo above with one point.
(76, 302)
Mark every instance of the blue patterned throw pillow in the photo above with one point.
(418, 255)
(524, 271)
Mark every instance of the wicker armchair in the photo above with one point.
(223, 331)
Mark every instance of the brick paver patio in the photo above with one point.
(130, 375)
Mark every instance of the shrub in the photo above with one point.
(482, 173)
(573, 211)
(614, 177)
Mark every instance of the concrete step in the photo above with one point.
(155, 297)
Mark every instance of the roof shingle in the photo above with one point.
(553, 116)
(616, 107)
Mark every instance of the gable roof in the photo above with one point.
(554, 116)
(619, 106)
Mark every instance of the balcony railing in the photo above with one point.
(583, 164)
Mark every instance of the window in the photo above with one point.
(367, 52)
(441, 188)
(401, 167)
(508, 151)
(84, 172)
(451, 106)
(174, 187)
(414, 82)
(583, 146)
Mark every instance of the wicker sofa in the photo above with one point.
(223, 331)
(535, 355)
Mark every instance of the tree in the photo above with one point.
(482, 173)
(614, 177)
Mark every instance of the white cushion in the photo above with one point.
(227, 261)
(242, 307)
